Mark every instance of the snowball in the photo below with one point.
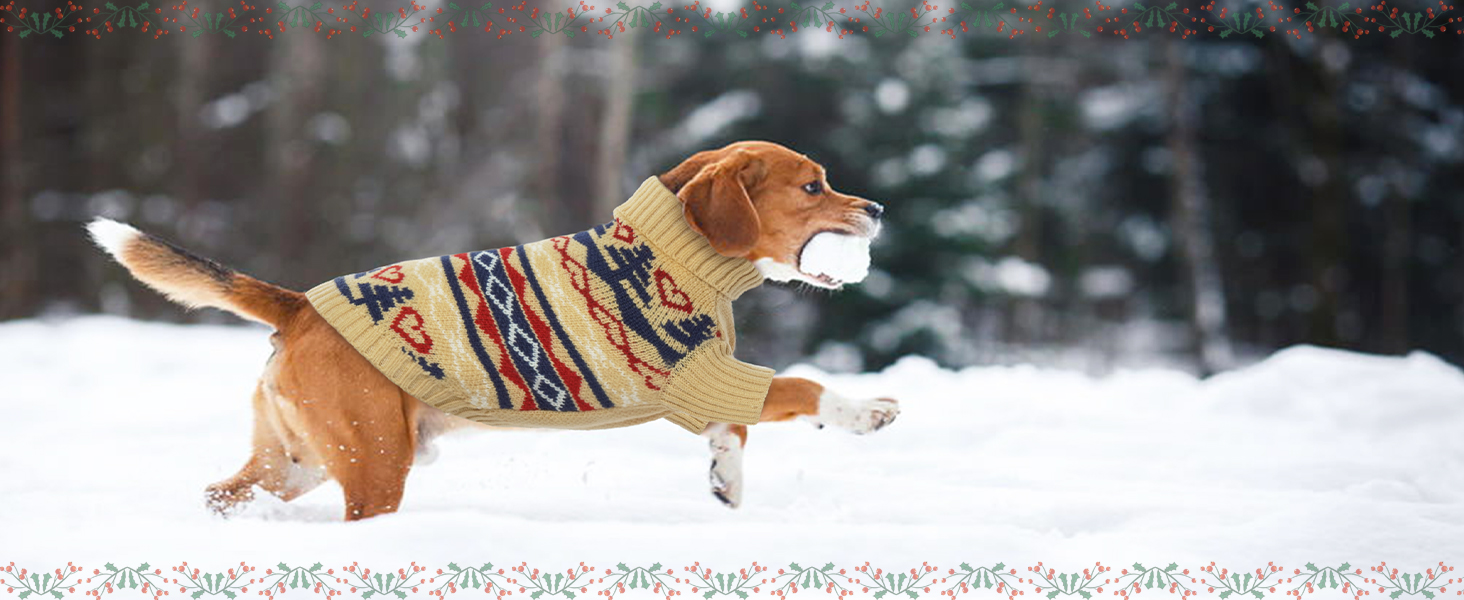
(842, 257)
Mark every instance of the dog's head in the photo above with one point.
(774, 207)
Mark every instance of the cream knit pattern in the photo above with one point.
(625, 323)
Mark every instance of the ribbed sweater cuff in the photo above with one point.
(712, 386)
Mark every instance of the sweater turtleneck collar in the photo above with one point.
(657, 214)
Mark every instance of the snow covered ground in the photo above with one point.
(110, 429)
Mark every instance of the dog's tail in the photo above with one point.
(193, 280)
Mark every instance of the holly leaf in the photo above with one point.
(230, 595)
(401, 594)
(197, 594)
(623, 6)
(1258, 594)
(315, 567)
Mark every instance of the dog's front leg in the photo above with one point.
(726, 441)
(793, 397)
(790, 398)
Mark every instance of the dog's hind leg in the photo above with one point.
(278, 464)
(374, 484)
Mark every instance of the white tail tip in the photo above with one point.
(111, 235)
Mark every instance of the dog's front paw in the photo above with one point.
(726, 471)
(858, 416)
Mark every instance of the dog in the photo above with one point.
(758, 201)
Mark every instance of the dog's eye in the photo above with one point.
(813, 188)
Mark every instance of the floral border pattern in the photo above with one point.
(864, 580)
(587, 18)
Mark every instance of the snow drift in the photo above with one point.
(112, 428)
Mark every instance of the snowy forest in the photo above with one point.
(1084, 202)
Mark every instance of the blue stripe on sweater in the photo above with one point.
(531, 358)
(559, 330)
(483, 358)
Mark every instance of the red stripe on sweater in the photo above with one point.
(483, 318)
(541, 329)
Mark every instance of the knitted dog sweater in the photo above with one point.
(622, 324)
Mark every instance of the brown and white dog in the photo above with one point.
(351, 403)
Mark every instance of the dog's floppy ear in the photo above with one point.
(716, 202)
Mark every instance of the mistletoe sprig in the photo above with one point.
(129, 16)
(1327, 16)
(1152, 15)
(52, 583)
(724, 584)
(639, 577)
(1242, 23)
(52, 22)
(1411, 23)
(907, 21)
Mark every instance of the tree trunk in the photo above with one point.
(1328, 231)
(17, 260)
(1398, 233)
(297, 66)
(1027, 312)
(1189, 219)
(188, 154)
(615, 126)
(545, 189)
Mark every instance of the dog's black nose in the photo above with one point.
(875, 210)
